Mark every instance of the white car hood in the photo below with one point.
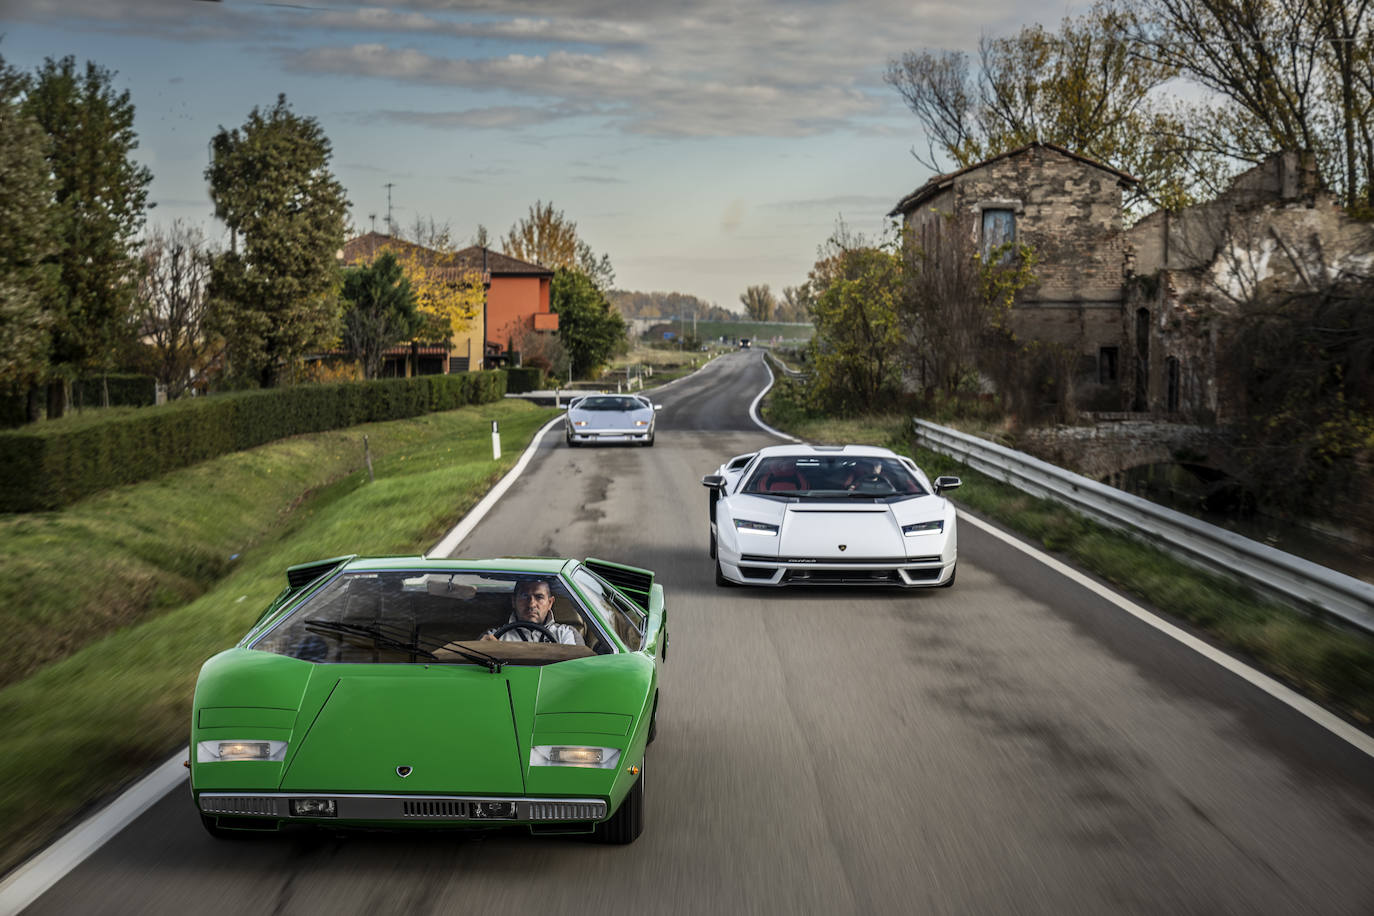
(815, 529)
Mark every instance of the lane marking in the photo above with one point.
(754, 407)
(464, 527)
(31, 880)
(1281, 692)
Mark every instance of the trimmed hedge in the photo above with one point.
(50, 465)
(524, 378)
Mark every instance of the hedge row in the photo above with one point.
(524, 378)
(49, 465)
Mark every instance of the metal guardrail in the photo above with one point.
(1292, 579)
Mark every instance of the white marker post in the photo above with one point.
(495, 442)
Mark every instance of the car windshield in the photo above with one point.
(611, 403)
(415, 616)
(833, 476)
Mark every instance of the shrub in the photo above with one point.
(53, 464)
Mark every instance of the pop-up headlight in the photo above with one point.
(223, 751)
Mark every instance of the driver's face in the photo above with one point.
(533, 602)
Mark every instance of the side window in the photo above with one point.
(622, 616)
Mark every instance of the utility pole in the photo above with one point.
(390, 226)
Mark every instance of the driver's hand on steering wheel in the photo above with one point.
(486, 637)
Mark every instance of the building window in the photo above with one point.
(999, 228)
(1106, 365)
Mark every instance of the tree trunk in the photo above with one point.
(34, 407)
(57, 399)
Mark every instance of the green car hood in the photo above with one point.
(459, 728)
(372, 725)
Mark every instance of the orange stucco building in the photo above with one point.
(517, 299)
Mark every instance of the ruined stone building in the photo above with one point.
(1141, 310)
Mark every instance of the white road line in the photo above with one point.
(479, 511)
(754, 407)
(1286, 695)
(32, 879)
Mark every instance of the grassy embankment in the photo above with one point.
(122, 596)
(1331, 664)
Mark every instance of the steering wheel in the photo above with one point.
(875, 485)
(543, 632)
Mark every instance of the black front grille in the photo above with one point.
(757, 572)
(841, 576)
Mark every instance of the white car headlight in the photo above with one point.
(568, 755)
(641, 422)
(934, 527)
(747, 527)
(579, 422)
(222, 751)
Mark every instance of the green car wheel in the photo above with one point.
(625, 826)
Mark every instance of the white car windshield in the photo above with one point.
(610, 403)
(827, 476)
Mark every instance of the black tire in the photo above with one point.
(711, 551)
(950, 582)
(625, 826)
(649, 442)
(653, 723)
(720, 577)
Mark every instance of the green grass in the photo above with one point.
(85, 725)
(1331, 664)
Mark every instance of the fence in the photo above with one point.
(1292, 579)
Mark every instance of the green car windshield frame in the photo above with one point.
(391, 616)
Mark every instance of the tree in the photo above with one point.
(379, 311)
(99, 193)
(277, 298)
(1292, 75)
(795, 304)
(27, 240)
(1083, 88)
(957, 306)
(547, 237)
(170, 314)
(591, 331)
(858, 341)
(758, 302)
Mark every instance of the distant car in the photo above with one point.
(744, 343)
(366, 697)
(818, 515)
(604, 418)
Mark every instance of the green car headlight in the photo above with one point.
(223, 751)
(567, 755)
(924, 527)
(744, 526)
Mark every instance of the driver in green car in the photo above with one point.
(532, 604)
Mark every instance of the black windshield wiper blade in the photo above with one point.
(493, 663)
(380, 636)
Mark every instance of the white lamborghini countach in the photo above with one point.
(830, 515)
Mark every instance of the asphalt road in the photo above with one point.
(1012, 745)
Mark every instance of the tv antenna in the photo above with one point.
(390, 226)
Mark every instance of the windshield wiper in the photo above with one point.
(375, 633)
(494, 664)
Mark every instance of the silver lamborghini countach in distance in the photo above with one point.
(830, 515)
(605, 418)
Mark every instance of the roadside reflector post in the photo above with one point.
(495, 442)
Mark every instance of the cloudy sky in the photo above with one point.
(705, 145)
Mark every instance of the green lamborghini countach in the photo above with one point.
(409, 692)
